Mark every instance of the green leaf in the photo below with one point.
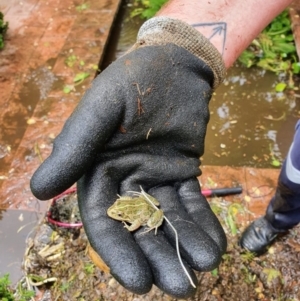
(265, 64)
(280, 87)
(247, 58)
(82, 7)
(231, 224)
(284, 47)
(296, 67)
(70, 60)
(67, 89)
(151, 7)
(275, 163)
(80, 77)
(136, 12)
(95, 67)
(271, 274)
(214, 272)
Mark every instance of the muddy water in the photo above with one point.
(249, 120)
(15, 227)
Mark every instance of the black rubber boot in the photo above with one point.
(259, 235)
(282, 214)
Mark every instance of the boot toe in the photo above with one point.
(258, 236)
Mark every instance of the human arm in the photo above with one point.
(230, 25)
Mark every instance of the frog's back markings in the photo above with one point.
(138, 211)
(152, 199)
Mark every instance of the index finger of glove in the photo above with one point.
(109, 238)
(83, 135)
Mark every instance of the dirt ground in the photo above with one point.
(58, 266)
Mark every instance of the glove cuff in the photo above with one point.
(164, 30)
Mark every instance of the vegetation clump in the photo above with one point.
(5, 291)
(3, 29)
(274, 48)
(148, 8)
(8, 294)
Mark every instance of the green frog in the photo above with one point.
(138, 211)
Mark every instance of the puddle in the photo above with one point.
(43, 79)
(240, 132)
(249, 120)
(36, 87)
(15, 227)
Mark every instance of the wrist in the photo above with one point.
(164, 30)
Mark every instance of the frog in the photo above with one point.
(138, 211)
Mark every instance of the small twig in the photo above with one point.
(55, 256)
(38, 152)
(147, 136)
(275, 119)
(39, 283)
(48, 251)
(139, 102)
(138, 88)
(176, 237)
(140, 108)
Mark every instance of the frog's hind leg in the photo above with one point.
(155, 221)
(150, 229)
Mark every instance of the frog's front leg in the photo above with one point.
(135, 225)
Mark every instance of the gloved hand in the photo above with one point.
(143, 122)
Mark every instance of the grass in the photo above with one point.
(8, 294)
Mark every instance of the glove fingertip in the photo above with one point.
(37, 188)
(43, 187)
(136, 284)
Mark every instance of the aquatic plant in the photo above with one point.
(274, 48)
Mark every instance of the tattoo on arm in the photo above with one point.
(214, 30)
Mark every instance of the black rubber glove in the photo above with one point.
(143, 122)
